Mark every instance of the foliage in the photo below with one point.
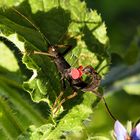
(28, 25)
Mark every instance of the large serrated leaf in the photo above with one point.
(38, 23)
(60, 22)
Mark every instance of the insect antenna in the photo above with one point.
(47, 42)
(108, 110)
(106, 106)
(104, 101)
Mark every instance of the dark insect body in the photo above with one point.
(76, 82)
(68, 73)
(72, 75)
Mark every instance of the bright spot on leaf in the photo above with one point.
(7, 58)
(1, 114)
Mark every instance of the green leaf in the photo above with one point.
(21, 110)
(34, 133)
(7, 56)
(87, 30)
(128, 50)
(16, 113)
(69, 126)
(73, 122)
(133, 52)
(37, 24)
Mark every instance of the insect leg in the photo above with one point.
(57, 99)
(37, 52)
(60, 95)
(74, 93)
(43, 53)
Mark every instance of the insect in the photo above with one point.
(72, 75)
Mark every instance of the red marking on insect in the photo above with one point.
(76, 72)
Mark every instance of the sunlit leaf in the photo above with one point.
(33, 25)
